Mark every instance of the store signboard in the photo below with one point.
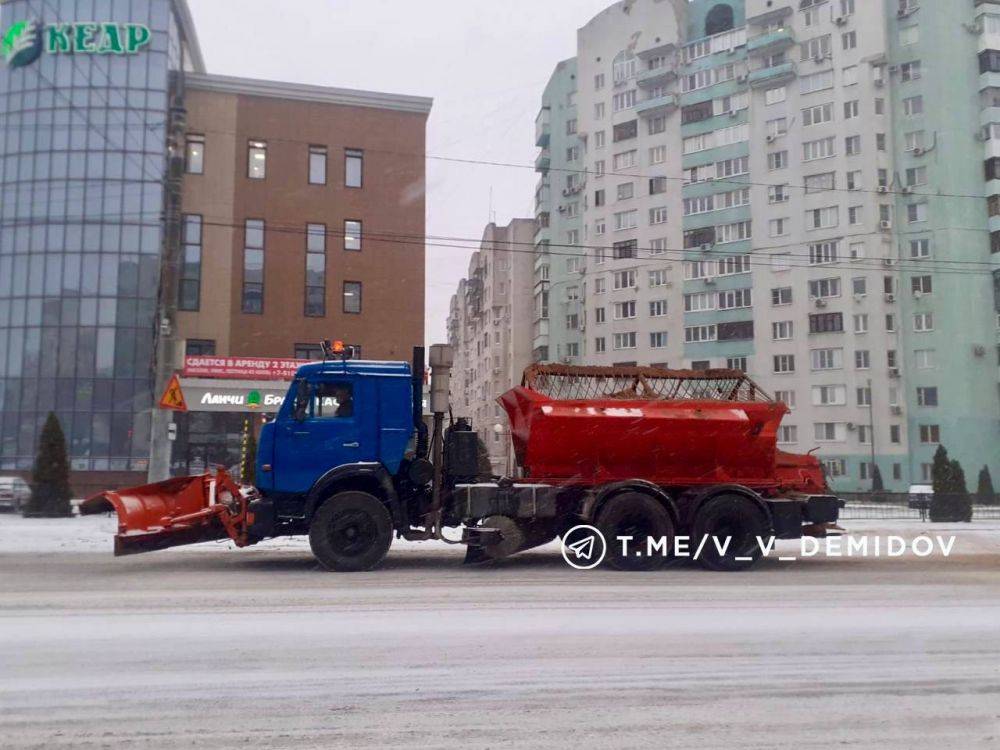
(23, 42)
(249, 368)
(204, 394)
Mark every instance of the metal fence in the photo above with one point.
(898, 505)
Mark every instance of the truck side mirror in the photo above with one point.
(301, 400)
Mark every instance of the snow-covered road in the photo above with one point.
(256, 648)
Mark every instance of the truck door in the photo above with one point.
(330, 434)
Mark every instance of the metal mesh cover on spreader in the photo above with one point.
(572, 382)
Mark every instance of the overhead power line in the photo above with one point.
(781, 261)
(730, 180)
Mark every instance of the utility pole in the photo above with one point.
(165, 329)
(871, 428)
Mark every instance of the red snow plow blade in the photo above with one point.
(184, 510)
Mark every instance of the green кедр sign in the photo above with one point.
(24, 41)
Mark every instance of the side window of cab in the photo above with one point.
(332, 400)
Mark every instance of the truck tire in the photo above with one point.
(351, 532)
(641, 517)
(734, 517)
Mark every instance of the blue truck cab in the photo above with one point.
(342, 423)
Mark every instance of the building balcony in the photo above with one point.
(655, 77)
(770, 16)
(543, 127)
(988, 80)
(770, 43)
(989, 115)
(656, 106)
(657, 50)
(543, 162)
(543, 197)
(772, 75)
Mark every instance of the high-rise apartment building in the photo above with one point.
(490, 328)
(559, 200)
(793, 189)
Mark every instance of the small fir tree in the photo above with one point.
(877, 484)
(50, 491)
(984, 487)
(951, 501)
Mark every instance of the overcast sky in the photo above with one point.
(484, 63)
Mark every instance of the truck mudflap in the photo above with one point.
(183, 510)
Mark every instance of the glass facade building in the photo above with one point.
(83, 154)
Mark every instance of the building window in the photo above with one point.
(922, 284)
(623, 131)
(777, 160)
(308, 351)
(624, 340)
(199, 347)
(781, 330)
(699, 334)
(315, 305)
(194, 154)
(826, 323)
(352, 297)
(317, 165)
(930, 433)
(826, 359)
(927, 396)
(784, 363)
(189, 288)
(354, 167)
(788, 433)
(253, 266)
(626, 249)
(257, 160)
(781, 296)
(829, 395)
(824, 288)
(352, 234)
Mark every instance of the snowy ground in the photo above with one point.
(208, 647)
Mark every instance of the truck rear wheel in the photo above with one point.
(351, 531)
(734, 518)
(640, 517)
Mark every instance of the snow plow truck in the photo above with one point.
(351, 461)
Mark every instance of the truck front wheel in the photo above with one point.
(351, 531)
(733, 525)
(642, 518)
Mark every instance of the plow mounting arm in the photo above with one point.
(183, 510)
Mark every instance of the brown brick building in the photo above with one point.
(302, 219)
(326, 186)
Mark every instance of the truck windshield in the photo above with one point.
(333, 400)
